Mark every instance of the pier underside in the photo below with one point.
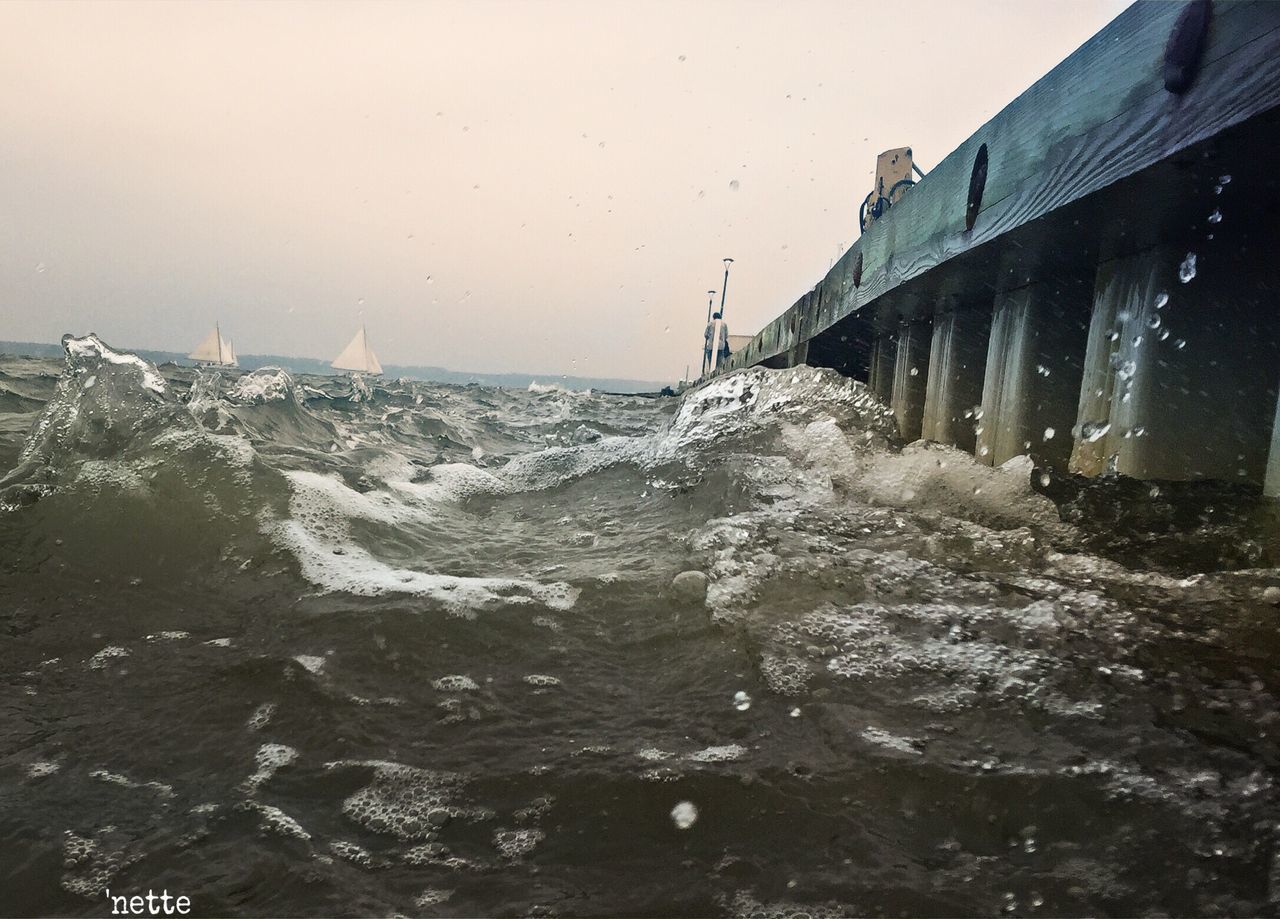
(1135, 330)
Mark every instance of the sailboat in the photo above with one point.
(215, 351)
(358, 357)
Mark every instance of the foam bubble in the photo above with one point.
(273, 820)
(261, 716)
(312, 663)
(106, 656)
(350, 852)
(895, 742)
(407, 802)
(541, 679)
(266, 384)
(432, 896)
(515, 844)
(455, 682)
(269, 758)
(157, 788)
(92, 862)
(40, 769)
(725, 753)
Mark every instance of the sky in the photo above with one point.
(546, 186)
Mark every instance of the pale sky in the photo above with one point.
(531, 186)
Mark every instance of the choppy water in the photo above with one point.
(298, 646)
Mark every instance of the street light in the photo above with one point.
(711, 296)
(725, 288)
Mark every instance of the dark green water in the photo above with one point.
(295, 647)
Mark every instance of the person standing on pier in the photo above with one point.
(716, 349)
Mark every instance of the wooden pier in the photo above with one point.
(1093, 277)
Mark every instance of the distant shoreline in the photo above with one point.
(425, 373)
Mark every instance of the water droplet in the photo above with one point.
(685, 815)
(1045, 480)
(1137, 340)
(984, 450)
(795, 713)
(915, 371)
(1216, 216)
(734, 185)
(1042, 370)
(41, 268)
(1187, 270)
(1162, 299)
(1180, 343)
(667, 329)
(741, 701)
(430, 279)
(1153, 321)
(1224, 179)
(1094, 431)
(1037, 901)
(681, 58)
(1164, 333)
(1113, 335)
(1048, 433)
(1126, 370)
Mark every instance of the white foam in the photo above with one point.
(274, 820)
(356, 571)
(455, 682)
(312, 663)
(270, 758)
(266, 384)
(541, 680)
(261, 716)
(432, 896)
(895, 742)
(725, 753)
(946, 480)
(317, 533)
(407, 802)
(515, 844)
(106, 656)
(174, 635)
(91, 347)
(158, 788)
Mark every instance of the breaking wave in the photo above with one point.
(402, 635)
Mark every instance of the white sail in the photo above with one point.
(358, 356)
(214, 350)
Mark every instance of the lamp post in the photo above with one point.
(725, 287)
(711, 296)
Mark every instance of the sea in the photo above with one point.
(300, 645)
